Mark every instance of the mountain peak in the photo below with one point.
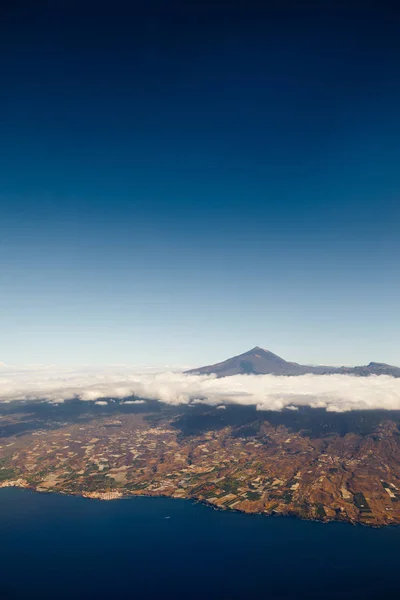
(256, 361)
(256, 349)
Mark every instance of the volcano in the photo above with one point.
(259, 361)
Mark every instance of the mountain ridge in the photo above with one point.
(259, 361)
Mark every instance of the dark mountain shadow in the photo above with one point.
(313, 422)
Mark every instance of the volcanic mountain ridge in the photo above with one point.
(258, 361)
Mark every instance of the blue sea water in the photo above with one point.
(54, 546)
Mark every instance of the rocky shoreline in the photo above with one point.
(120, 495)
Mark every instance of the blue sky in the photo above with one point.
(179, 186)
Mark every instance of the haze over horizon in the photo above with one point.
(180, 184)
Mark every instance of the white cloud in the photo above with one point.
(135, 402)
(334, 392)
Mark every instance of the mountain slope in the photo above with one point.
(258, 361)
(373, 368)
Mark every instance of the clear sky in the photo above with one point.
(180, 182)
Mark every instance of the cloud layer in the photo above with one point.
(334, 392)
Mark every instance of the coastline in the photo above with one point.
(110, 496)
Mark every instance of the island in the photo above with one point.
(306, 463)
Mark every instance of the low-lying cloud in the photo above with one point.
(337, 393)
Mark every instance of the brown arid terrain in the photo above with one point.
(307, 463)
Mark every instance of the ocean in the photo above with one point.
(54, 546)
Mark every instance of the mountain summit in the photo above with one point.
(258, 361)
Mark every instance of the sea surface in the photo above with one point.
(54, 546)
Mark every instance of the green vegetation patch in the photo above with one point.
(253, 496)
(287, 497)
(229, 485)
(361, 502)
(137, 486)
(7, 474)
